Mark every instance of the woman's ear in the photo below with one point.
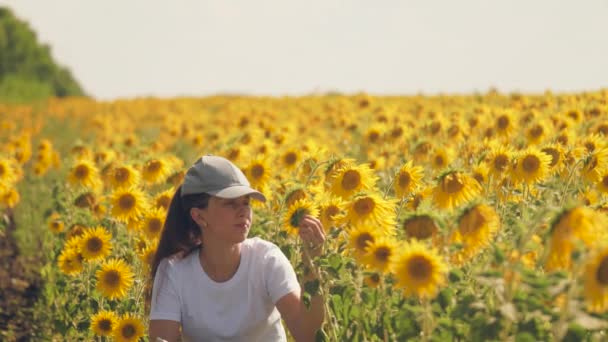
(197, 216)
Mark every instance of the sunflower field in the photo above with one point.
(465, 218)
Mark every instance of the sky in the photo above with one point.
(132, 48)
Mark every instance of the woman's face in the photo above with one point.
(227, 219)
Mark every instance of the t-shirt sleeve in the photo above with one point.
(165, 303)
(280, 276)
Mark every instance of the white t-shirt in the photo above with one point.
(240, 309)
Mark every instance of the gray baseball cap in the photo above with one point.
(218, 177)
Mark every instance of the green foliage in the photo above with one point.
(27, 69)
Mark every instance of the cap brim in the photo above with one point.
(238, 191)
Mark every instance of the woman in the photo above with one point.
(213, 281)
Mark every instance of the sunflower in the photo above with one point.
(420, 227)
(418, 197)
(499, 160)
(602, 183)
(123, 177)
(103, 322)
(128, 204)
(480, 173)
(372, 280)
(163, 199)
(70, 261)
(419, 271)
(442, 157)
(10, 198)
(76, 230)
(84, 173)
(557, 154)
(360, 238)
(333, 167)
(455, 188)
(7, 174)
(407, 179)
(380, 253)
(156, 170)
(128, 329)
(421, 150)
(569, 227)
(146, 255)
(258, 172)
(152, 223)
(595, 164)
(331, 211)
(477, 226)
(85, 200)
(505, 122)
(114, 278)
(593, 142)
(532, 166)
(295, 213)
(537, 132)
(596, 281)
(55, 223)
(104, 156)
(352, 179)
(95, 244)
(290, 158)
(374, 134)
(367, 208)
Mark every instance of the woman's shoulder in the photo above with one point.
(260, 246)
(177, 262)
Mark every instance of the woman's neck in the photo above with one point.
(220, 261)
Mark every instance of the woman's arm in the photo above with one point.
(302, 322)
(164, 329)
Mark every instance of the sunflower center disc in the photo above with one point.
(127, 201)
(382, 254)
(404, 179)
(81, 172)
(602, 272)
(128, 331)
(121, 175)
(502, 122)
(530, 164)
(419, 268)
(331, 211)
(154, 225)
(536, 131)
(420, 228)
(257, 171)
(471, 222)
(364, 206)
(153, 166)
(112, 279)
(351, 180)
(105, 325)
(290, 158)
(501, 162)
(363, 240)
(554, 155)
(94, 245)
(452, 184)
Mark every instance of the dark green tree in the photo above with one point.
(27, 69)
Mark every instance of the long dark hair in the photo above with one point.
(180, 233)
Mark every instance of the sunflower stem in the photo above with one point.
(427, 320)
(570, 177)
(322, 291)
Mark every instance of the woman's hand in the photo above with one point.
(312, 234)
